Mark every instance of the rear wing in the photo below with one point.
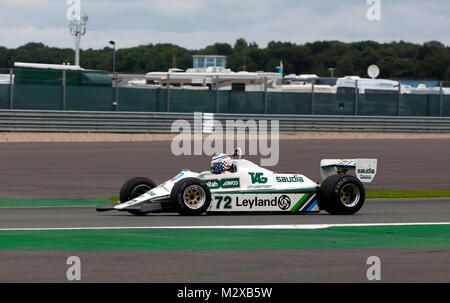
(364, 169)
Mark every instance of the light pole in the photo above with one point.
(332, 69)
(116, 91)
(113, 43)
(77, 29)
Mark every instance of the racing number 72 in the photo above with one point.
(226, 200)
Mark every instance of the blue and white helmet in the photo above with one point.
(221, 163)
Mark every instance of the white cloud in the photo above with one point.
(59, 36)
(198, 23)
(178, 7)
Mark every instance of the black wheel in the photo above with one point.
(134, 188)
(191, 197)
(341, 195)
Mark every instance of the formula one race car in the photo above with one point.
(236, 185)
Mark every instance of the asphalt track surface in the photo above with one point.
(97, 170)
(222, 266)
(232, 266)
(374, 211)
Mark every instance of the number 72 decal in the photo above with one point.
(226, 202)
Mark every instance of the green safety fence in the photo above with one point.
(246, 102)
(33, 76)
(89, 98)
(446, 105)
(139, 100)
(37, 97)
(223, 100)
(187, 101)
(30, 76)
(4, 96)
(420, 105)
(289, 103)
(330, 104)
(378, 104)
(94, 98)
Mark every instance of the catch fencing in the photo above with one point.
(61, 93)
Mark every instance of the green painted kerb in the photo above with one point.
(428, 236)
(6, 202)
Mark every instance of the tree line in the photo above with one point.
(397, 60)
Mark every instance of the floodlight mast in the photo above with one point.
(77, 29)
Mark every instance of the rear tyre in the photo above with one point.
(134, 188)
(341, 195)
(191, 197)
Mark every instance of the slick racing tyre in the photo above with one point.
(341, 195)
(134, 188)
(191, 197)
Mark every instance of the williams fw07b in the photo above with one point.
(235, 185)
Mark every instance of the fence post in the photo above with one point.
(116, 93)
(313, 96)
(217, 94)
(265, 95)
(399, 97)
(11, 88)
(168, 93)
(441, 100)
(63, 105)
(356, 98)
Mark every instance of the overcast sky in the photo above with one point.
(197, 23)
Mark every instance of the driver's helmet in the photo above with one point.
(221, 163)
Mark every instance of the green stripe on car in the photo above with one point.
(302, 201)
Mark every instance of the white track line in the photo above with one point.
(291, 226)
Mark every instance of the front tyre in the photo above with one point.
(134, 188)
(341, 195)
(191, 196)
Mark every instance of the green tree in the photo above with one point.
(396, 59)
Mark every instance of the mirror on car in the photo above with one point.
(237, 153)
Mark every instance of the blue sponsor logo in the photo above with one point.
(177, 177)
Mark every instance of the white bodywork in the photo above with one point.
(251, 188)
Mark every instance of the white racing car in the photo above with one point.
(236, 185)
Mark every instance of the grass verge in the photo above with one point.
(114, 199)
(396, 194)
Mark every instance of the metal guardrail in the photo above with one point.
(145, 122)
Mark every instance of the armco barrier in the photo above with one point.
(138, 122)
